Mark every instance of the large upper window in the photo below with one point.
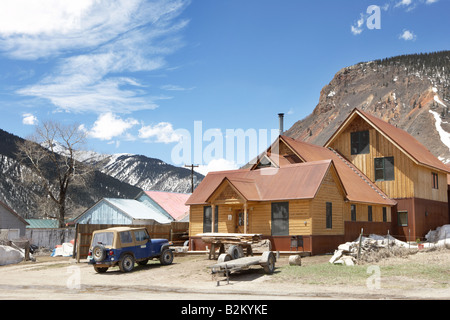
(280, 218)
(360, 142)
(384, 169)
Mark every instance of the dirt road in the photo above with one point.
(189, 278)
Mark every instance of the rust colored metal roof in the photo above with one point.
(359, 188)
(297, 181)
(173, 203)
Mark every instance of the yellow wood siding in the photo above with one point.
(328, 192)
(411, 180)
(424, 186)
(362, 212)
(195, 220)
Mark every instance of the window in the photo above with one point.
(384, 214)
(207, 219)
(402, 218)
(353, 212)
(435, 180)
(280, 219)
(329, 215)
(384, 169)
(360, 142)
(125, 237)
(140, 235)
(369, 213)
(104, 238)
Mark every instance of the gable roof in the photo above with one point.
(297, 181)
(134, 209)
(416, 151)
(13, 213)
(359, 188)
(171, 202)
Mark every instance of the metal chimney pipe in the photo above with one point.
(281, 117)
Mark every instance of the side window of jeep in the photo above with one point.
(140, 235)
(125, 237)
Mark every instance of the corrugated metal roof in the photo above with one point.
(297, 181)
(173, 203)
(42, 223)
(137, 210)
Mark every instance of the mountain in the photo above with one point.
(411, 92)
(144, 172)
(117, 176)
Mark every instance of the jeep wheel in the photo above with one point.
(99, 253)
(127, 263)
(166, 257)
(100, 269)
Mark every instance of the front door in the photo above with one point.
(240, 220)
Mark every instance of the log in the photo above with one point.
(295, 260)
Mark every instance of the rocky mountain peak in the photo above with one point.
(411, 92)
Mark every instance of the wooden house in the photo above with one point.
(366, 205)
(400, 166)
(279, 202)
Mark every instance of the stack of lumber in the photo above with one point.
(230, 238)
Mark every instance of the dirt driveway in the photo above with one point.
(189, 278)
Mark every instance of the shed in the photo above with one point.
(123, 212)
(171, 204)
(10, 220)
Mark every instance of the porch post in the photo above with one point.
(245, 218)
(213, 217)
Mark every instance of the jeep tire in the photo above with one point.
(127, 263)
(166, 257)
(99, 253)
(100, 269)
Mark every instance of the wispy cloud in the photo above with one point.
(98, 44)
(405, 5)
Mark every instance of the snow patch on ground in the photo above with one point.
(445, 136)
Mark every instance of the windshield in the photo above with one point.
(104, 238)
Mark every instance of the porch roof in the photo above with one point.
(297, 181)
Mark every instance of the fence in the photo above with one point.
(177, 232)
(49, 238)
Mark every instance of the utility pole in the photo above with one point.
(192, 175)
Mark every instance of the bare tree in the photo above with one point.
(50, 153)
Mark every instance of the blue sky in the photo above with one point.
(137, 74)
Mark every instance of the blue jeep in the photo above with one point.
(124, 246)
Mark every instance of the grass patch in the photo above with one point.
(405, 275)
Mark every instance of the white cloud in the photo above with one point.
(29, 119)
(217, 165)
(162, 133)
(357, 27)
(109, 126)
(404, 3)
(111, 39)
(408, 35)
